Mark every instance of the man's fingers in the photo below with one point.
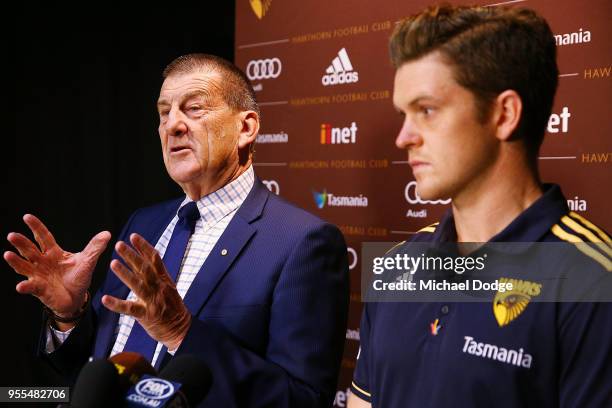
(131, 257)
(141, 245)
(26, 248)
(149, 252)
(126, 307)
(30, 287)
(40, 231)
(97, 245)
(20, 265)
(126, 276)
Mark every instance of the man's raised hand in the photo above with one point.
(159, 307)
(58, 278)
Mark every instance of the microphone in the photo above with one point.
(131, 367)
(155, 392)
(97, 386)
(192, 373)
(183, 383)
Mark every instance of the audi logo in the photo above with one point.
(352, 257)
(413, 197)
(264, 68)
(272, 186)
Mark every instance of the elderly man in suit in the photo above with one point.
(253, 286)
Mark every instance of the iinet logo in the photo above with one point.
(345, 135)
(340, 71)
(559, 122)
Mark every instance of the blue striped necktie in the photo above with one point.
(139, 341)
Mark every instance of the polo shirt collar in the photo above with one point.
(530, 226)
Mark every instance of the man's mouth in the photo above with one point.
(179, 149)
(417, 163)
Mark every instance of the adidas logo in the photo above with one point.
(340, 71)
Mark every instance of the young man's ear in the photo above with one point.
(508, 109)
(249, 127)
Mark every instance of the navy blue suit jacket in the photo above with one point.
(269, 317)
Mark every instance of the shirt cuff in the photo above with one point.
(55, 338)
(361, 392)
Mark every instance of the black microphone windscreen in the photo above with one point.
(131, 367)
(192, 373)
(97, 386)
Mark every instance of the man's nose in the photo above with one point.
(175, 125)
(408, 135)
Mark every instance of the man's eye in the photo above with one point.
(195, 108)
(427, 110)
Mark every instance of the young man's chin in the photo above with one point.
(429, 192)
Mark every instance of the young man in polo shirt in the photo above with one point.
(475, 87)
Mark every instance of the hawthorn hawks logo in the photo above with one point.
(260, 7)
(508, 305)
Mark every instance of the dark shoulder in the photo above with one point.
(589, 241)
(424, 234)
(288, 225)
(289, 215)
(161, 208)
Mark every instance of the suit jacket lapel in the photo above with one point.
(237, 234)
(223, 254)
(231, 242)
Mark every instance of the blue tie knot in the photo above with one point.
(189, 214)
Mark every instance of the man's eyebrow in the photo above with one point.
(420, 98)
(199, 93)
(414, 101)
(207, 96)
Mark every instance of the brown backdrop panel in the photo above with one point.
(303, 39)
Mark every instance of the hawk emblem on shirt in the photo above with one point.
(509, 305)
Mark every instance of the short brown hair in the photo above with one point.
(236, 89)
(492, 49)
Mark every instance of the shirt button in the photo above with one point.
(444, 309)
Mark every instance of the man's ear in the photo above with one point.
(507, 113)
(249, 128)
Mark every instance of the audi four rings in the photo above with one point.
(264, 68)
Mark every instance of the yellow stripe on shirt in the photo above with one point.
(582, 246)
(395, 246)
(587, 233)
(361, 390)
(429, 228)
(595, 228)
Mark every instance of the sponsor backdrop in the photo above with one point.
(322, 76)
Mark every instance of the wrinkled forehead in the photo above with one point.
(204, 81)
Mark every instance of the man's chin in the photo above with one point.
(430, 192)
(183, 174)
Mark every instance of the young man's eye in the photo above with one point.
(427, 110)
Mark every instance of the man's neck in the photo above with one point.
(493, 202)
(196, 191)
